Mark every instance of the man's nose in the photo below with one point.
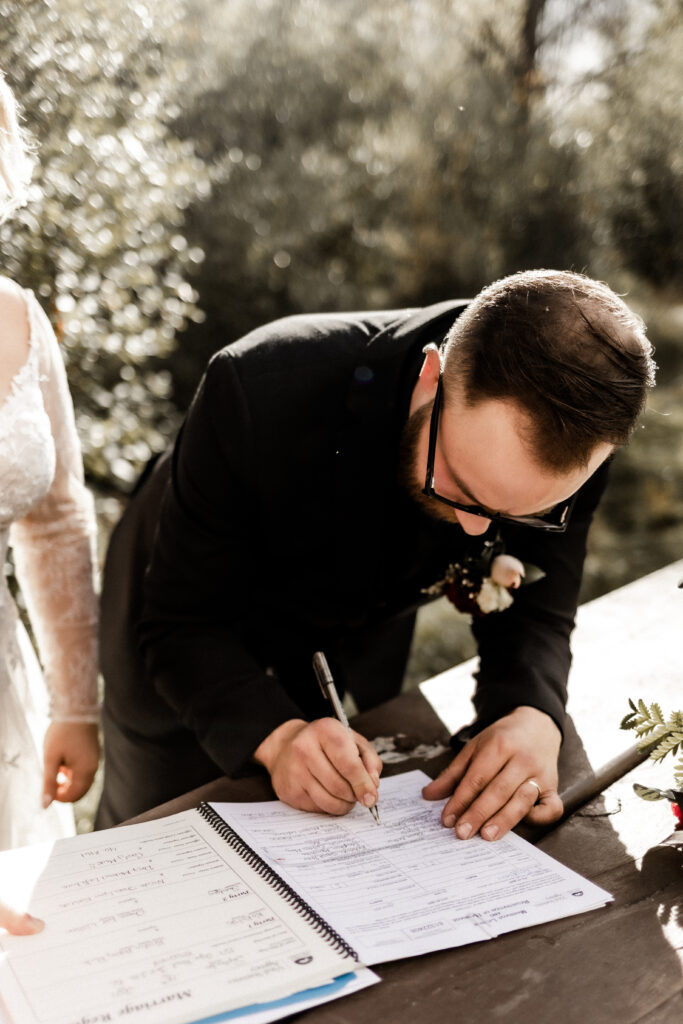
(474, 525)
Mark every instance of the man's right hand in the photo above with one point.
(320, 766)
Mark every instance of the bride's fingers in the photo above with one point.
(73, 783)
(19, 924)
(50, 780)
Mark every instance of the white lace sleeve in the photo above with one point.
(54, 549)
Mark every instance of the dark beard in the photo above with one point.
(408, 474)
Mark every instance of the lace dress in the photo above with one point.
(47, 516)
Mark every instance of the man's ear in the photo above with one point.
(428, 378)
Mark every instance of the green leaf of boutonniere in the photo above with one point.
(532, 574)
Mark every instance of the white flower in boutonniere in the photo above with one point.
(507, 571)
(483, 583)
(492, 597)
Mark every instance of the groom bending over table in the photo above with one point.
(335, 472)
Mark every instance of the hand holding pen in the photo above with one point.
(324, 676)
(321, 765)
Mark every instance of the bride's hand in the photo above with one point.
(17, 923)
(71, 751)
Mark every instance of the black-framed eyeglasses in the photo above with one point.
(554, 521)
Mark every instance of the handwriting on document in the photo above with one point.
(410, 886)
(162, 916)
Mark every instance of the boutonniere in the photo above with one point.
(484, 582)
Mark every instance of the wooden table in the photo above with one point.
(618, 965)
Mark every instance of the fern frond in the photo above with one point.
(669, 745)
(647, 727)
(659, 737)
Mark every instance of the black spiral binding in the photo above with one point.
(251, 857)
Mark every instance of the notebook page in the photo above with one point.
(409, 886)
(160, 922)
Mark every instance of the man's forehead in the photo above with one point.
(486, 452)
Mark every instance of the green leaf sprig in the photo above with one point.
(659, 735)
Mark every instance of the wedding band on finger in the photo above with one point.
(532, 782)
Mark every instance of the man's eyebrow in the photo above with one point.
(468, 494)
(466, 491)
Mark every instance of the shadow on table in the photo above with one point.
(610, 966)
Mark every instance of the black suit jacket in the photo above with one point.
(277, 527)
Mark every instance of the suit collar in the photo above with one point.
(392, 358)
(368, 501)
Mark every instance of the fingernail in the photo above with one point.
(369, 800)
(490, 832)
(464, 830)
(375, 778)
(449, 821)
(47, 800)
(34, 924)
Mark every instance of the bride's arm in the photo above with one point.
(54, 555)
(14, 349)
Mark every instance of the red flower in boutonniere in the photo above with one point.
(485, 582)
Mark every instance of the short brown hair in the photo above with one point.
(564, 347)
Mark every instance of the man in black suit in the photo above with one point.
(330, 471)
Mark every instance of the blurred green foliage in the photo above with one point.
(203, 167)
(102, 240)
(374, 155)
(632, 118)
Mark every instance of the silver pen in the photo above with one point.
(324, 677)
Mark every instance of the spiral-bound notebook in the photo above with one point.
(162, 922)
(169, 921)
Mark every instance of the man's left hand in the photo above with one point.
(492, 778)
